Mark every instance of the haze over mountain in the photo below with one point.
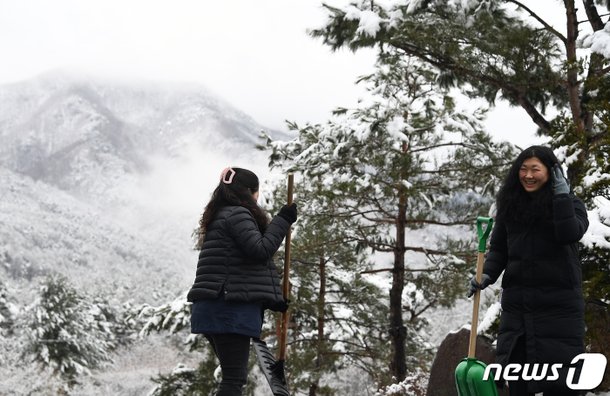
(103, 180)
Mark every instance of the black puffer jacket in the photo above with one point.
(236, 259)
(542, 296)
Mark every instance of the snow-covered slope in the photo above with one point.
(45, 230)
(103, 180)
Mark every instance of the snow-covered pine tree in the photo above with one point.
(8, 315)
(553, 65)
(337, 315)
(185, 381)
(7, 319)
(111, 321)
(174, 318)
(69, 335)
(408, 160)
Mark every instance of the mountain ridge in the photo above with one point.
(79, 151)
(51, 122)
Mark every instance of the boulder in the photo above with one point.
(452, 350)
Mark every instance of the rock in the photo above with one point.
(452, 350)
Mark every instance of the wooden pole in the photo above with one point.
(472, 344)
(286, 277)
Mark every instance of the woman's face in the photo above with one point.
(533, 174)
(255, 195)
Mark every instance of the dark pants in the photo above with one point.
(519, 388)
(232, 350)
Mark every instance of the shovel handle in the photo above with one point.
(472, 344)
(483, 234)
(286, 278)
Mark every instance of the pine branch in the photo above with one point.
(593, 16)
(548, 27)
(333, 340)
(429, 270)
(443, 63)
(375, 271)
(605, 70)
(448, 144)
(441, 223)
(415, 314)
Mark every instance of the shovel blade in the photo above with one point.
(271, 368)
(469, 379)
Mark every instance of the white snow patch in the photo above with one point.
(490, 316)
(370, 23)
(594, 177)
(599, 41)
(598, 234)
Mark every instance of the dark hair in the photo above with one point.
(516, 204)
(238, 192)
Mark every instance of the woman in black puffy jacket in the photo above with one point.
(534, 242)
(236, 278)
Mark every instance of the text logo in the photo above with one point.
(591, 374)
(586, 371)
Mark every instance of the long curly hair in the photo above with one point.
(514, 204)
(239, 192)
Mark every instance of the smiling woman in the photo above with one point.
(533, 174)
(534, 244)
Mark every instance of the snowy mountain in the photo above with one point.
(83, 135)
(103, 180)
(46, 230)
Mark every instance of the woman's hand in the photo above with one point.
(474, 285)
(282, 306)
(289, 213)
(560, 184)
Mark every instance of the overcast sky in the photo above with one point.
(255, 54)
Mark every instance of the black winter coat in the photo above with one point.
(236, 259)
(542, 296)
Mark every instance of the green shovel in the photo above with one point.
(469, 373)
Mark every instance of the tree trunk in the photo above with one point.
(321, 314)
(579, 114)
(398, 331)
(596, 62)
(572, 59)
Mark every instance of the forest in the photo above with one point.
(388, 192)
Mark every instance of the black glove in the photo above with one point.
(560, 184)
(474, 285)
(281, 306)
(289, 213)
